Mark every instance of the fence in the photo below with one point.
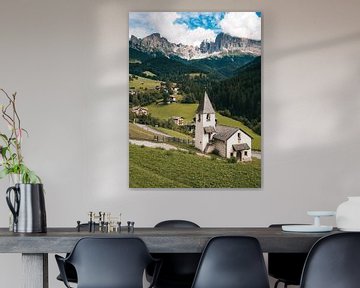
(161, 138)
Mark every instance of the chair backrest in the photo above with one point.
(333, 262)
(176, 224)
(178, 269)
(110, 262)
(232, 262)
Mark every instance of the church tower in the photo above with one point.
(204, 123)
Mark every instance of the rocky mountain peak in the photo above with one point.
(224, 44)
(134, 40)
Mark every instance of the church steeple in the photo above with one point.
(205, 106)
(204, 124)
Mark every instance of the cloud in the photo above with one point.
(142, 24)
(192, 28)
(242, 24)
(139, 24)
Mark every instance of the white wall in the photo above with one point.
(68, 62)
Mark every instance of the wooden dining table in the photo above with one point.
(35, 247)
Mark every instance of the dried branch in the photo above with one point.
(12, 161)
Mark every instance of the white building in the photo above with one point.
(139, 111)
(226, 141)
(178, 120)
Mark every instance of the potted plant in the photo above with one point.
(26, 198)
(12, 161)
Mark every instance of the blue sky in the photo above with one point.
(194, 27)
(206, 20)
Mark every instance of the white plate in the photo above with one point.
(321, 213)
(306, 228)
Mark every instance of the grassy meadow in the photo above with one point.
(187, 111)
(174, 133)
(141, 83)
(157, 168)
(136, 132)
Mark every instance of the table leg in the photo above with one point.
(35, 270)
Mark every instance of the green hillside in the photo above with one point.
(136, 56)
(241, 95)
(187, 111)
(225, 66)
(136, 132)
(173, 133)
(139, 83)
(156, 168)
(163, 66)
(158, 64)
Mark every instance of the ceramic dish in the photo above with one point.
(321, 213)
(306, 228)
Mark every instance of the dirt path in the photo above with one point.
(147, 128)
(256, 154)
(153, 144)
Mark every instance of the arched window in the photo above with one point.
(207, 117)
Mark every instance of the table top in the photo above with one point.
(158, 240)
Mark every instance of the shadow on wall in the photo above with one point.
(309, 47)
(314, 120)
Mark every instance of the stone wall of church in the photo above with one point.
(220, 147)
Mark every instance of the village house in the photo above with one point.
(139, 111)
(226, 141)
(178, 120)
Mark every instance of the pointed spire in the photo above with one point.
(205, 106)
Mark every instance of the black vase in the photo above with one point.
(28, 208)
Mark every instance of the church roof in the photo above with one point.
(209, 129)
(205, 106)
(223, 133)
(241, 147)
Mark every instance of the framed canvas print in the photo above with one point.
(195, 99)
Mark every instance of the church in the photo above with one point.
(223, 140)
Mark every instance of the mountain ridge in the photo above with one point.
(223, 45)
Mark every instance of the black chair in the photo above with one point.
(232, 262)
(333, 262)
(178, 269)
(69, 269)
(108, 263)
(286, 267)
(70, 273)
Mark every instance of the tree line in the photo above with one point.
(240, 97)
